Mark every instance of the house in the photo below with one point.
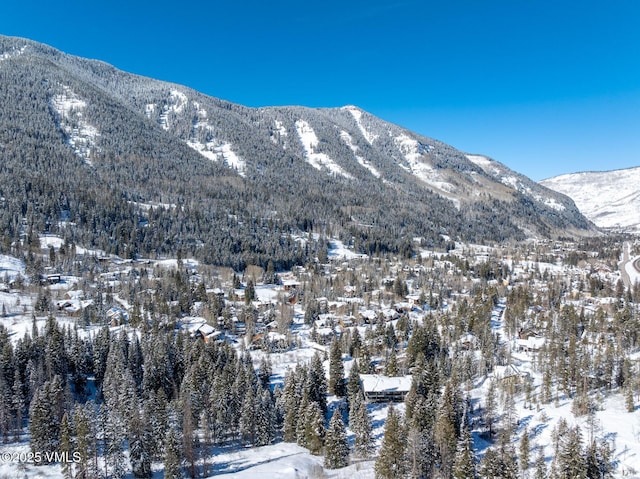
(532, 344)
(369, 316)
(290, 284)
(116, 316)
(380, 389)
(51, 279)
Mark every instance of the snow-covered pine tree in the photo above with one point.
(302, 418)
(336, 370)
(354, 385)
(113, 433)
(464, 466)
(139, 439)
(336, 447)
(540, 465)
(289, 400)
(524, 451)
(360, 424)
(66, 446)
(45, 417)
(173, 454)
(570, 462)
(317, 383)
(248, 417)
(391, 462)
(85, 443)
(314, 428)
(266, 419)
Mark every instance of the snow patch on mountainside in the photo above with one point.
(279, 134)
(202, 141)
(357, 116)
(494, 169)
(70, 109)
(176, 104)
(346, 137)
(611, 199)
(309, 141)
(220, 152)
(485, 163)
(412, 150)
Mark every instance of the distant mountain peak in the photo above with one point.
(611, 199)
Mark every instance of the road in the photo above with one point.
(623, 265)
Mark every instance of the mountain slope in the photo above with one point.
(611, 199)
(138, 166)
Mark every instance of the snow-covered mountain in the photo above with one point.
(100, 141)
(611, 199)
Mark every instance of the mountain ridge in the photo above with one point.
(610, 199)
(291, 170)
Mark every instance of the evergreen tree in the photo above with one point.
(172, 455)
(540, 466)
(599, 460)
(391, 366)
(113, 433)
(248, 417)
(464, 465)
(524, 451)
(336, 370)
(391, 462)
(45, 417)
(314, 429)
(498, 464)
(316, 384)
(66, 446)
(85, 441)
(265, 420)
(569, 462)
(139, 454)
(336, 447)
(360, 424)
(290, 400)
(354, 386)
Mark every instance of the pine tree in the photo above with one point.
(248, 417)
(421, 447)
(172, 455)
(464, 465)
(336, 447)
(354, 386)
(139, 455)
(265, 420)
(391, 366)
(289, 399)
(85, 441)
(490, 408)
(66, 446)
(314, 429)
(302, 419)
(45, 417)
(360, 424)
(336, 370)
(391, 462)
(570, 463)
(113, 433)
(316, 383)
(524, 451)
(540, 466)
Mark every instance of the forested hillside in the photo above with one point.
(135, 166)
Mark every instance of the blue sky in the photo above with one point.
(546, 87)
